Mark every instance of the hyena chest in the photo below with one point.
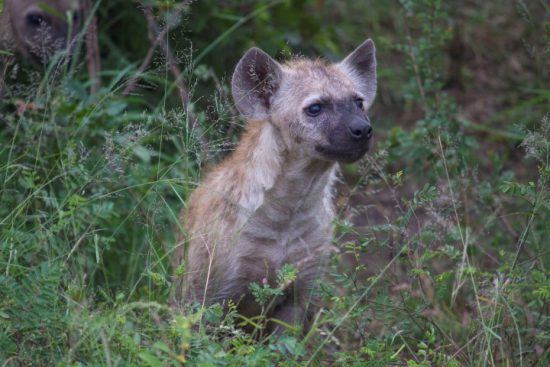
(276, 235)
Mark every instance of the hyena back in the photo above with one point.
(270, 203)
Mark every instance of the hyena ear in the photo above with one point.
(361, 66)
(256, 78)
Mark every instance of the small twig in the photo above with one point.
(92, 49)
(506, 223)
(154, 29)
(226, 98)
(521, 241)
(210, 261)
(106, 349)
(79, 242)
(158, 37)
(221, 91)
(352, 307)
(155, 42)
(130, 88)
(416, 68)
(455, 354)
(158, 322)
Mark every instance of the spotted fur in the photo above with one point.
(270, 202)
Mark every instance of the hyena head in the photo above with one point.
(42, 27)
(319, 108)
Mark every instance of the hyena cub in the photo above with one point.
(37, 29)
(269, 203)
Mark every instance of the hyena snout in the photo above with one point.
(349, 138)
(360, 129)
(348, 141)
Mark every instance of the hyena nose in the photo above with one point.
(360, 130)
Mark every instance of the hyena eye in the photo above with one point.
(314, 109)
(359, 103)
(35, 19)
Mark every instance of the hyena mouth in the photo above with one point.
(341, 154)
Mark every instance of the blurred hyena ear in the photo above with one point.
(361, 66)
(256, 78)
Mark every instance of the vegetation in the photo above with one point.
(443, 230)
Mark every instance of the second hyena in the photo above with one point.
(270, 203)
(37, 29)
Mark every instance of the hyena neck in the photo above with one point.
(274, 172)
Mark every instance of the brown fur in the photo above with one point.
(37, 41)
(269, 203)
(36, 30)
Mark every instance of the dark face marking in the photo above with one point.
(345, 128)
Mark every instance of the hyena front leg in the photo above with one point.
(287, 313)
(297, 309)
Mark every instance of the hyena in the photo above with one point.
(270, 203)
(37, 29)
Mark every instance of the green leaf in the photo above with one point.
(151, 360)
